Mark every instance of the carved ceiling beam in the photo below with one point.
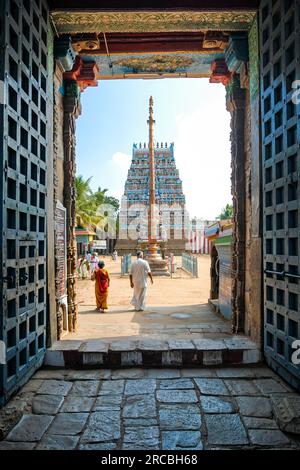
(84, 21)
(202, 42)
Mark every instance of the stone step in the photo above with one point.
(153, 352)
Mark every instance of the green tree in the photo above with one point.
(227, 212)
(88, 203)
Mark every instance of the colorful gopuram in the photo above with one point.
(169, 215)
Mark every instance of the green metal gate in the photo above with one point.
(23, 128)
(280, 68)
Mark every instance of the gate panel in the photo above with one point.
(280, 67)
(23, 186)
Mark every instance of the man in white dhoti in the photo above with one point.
(139, 273)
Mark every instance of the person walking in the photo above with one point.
(102, 281)
(139, 273)
(94, 262)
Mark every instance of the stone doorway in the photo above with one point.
(72, 52)
(232, 59)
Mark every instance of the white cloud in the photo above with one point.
(202, 153)
(121, 160)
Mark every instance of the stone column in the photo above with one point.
(64, 61)
(71, 112)
(235, 102)
(82, 75)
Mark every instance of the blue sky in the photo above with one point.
(189, 112)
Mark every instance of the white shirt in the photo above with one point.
(139, 271)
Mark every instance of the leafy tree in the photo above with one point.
(88, 203)
(227, 212)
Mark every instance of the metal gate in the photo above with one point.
(23, 135)
(280, 68)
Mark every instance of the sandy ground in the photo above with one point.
(179, 290)
(175, 307)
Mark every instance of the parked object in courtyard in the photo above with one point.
(139, 273)
(102, 281)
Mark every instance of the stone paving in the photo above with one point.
(148, 409)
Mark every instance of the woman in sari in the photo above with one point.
(102, 280)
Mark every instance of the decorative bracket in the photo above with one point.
(64, 53)
(84, 73)
(220, 72)
(236, 54)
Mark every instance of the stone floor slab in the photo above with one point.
(162, 373)
(259, 423)
(108, 402)
(139, 406)
(55, 387)
(181, 440)
(98, 446)
(8, 445)
(102, 426)
(176, 396)
(128, 374)
(225, 429)
(174, 417)
(140, 386)
(30, 428)
(212, 386)
(259, 407)
(235, 372)
(242, 387)
(204, 373)
(176, 384)
(287, 412)
(99, 374)
(147, 437)
(268, 437)
(75, 404)
(46, 404)
(85, 388)
(68, 424)
(212, 404)
(52, 442)
(140, 422)
(112, 387)
(270, 386)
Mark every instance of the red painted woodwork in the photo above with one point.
(220, 72)
(83, 72)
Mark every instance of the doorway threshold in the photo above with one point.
(181, 336)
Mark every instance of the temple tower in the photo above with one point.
(153, 205)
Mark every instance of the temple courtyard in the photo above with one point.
(178, 327)
(176, 306)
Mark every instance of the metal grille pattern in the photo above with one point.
(23, 326)
(280, 67)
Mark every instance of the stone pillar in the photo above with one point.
(232, 71)
(236, 100)
(82, 75)
(64, 61)
(71, 112)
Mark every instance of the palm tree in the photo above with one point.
(85, 206)
(88, 203)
